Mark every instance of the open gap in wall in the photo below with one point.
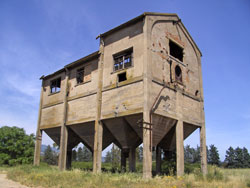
(192, 148)
(111, 158)
(82, 157)
(122, 77)
(176, 51)
(49, 150)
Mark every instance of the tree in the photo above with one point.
(74, 155)
(80, 155)
(113, 156)
(50, 156)
(246, 158)
(213, 155)
(108, 157)
(116, 156)
(230, 158)
(87, 155)
(139, 153)
(189, 154)
(16, 147)
(197, 157)
(239, 158)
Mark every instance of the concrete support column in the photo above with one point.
(179, 148)
(64, 130)
(97, 156)
(69, 158)
(123, 161)
(203, 149)
(97, 160)
(147, 151)
(63, 148)
(38, 147)
(132, 160)
(38, 132)
(158, 160)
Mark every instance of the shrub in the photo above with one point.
(16, 147)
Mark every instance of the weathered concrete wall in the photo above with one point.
(82, 97)
(52, 108)
(162, 31)
(125, 97)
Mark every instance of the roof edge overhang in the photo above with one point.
(141, 17)
(74, 63)
(132, 21)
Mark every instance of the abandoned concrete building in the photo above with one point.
(143, 86)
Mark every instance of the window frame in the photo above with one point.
(123, 55)
(178, 45)
(51, 88)
(83, 67)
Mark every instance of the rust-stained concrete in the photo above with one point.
(152, 107)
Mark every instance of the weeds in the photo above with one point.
(50, 176)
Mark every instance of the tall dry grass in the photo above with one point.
(47, 176)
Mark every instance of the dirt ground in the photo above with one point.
(5, 183)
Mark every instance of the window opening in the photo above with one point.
(55, 85)
(176, 51)
(123, 61)
(80, 76)
(196, 92)
(122, 77)
(178, 74)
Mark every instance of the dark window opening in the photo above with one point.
(80, 76)
(122, 77)
(196, 92)
(178, 74)
(55, 85)
(123, 60)
(176, 51)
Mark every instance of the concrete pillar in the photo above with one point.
(147, 152)
(123, 161)
(38, 132)
(64, 130)
(158, 160)
(69, 158)
(147, 84)
(179, 148)
(63, 148)
(38, 147)
(97, 156)
(203, 149)
(132, 160)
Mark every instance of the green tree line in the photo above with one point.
(235, 158)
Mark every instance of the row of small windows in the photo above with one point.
(55, 85)
(122, 61)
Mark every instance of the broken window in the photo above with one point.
(80, 75)
(178, 74)
(176, 51)
(123, 60)
(55, 85)
(122, 77)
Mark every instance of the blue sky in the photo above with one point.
(39, 37)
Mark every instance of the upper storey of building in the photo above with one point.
(152, 45)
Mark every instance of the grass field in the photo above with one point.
(49, 176)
